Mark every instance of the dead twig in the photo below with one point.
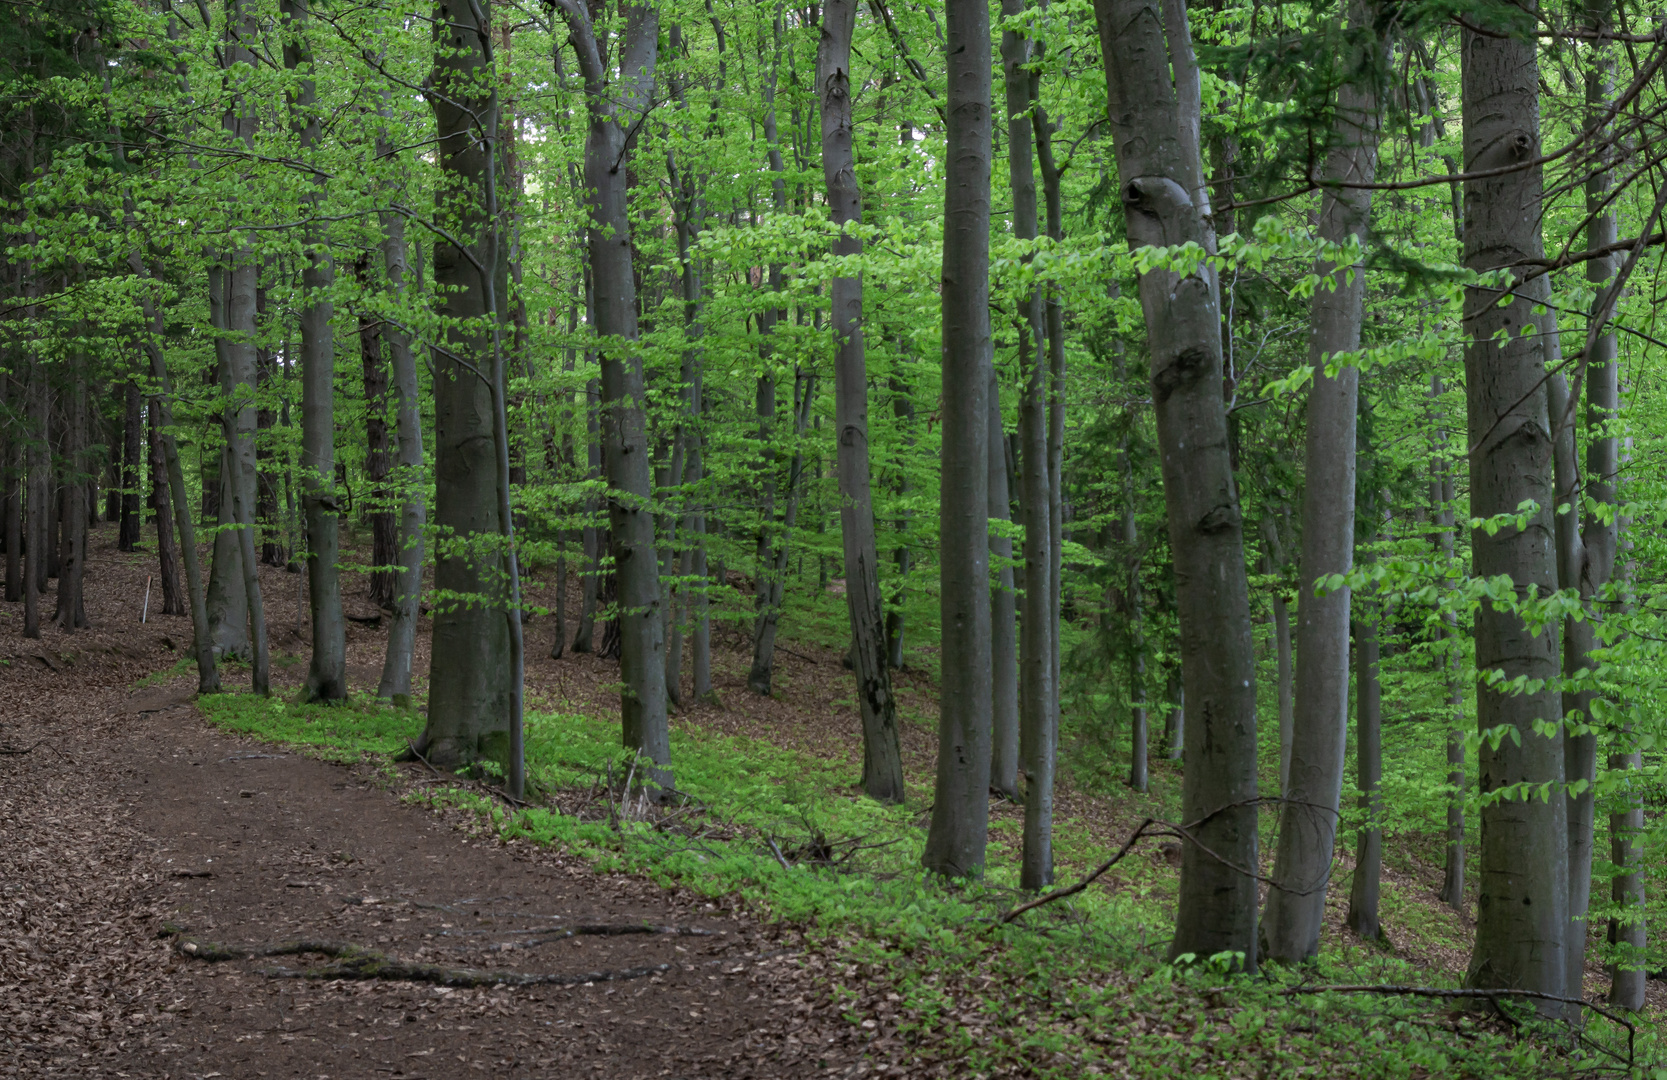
(1072, 890)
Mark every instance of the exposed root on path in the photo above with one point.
(356, 962)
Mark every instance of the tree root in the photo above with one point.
(356, 962)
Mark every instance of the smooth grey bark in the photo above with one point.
(208, 674)
(1037, 690)
(167, 548)
(1320, 714)
(1522, 911)
(612, 108)
(959, 831)
(882, 769)
(240, 477)
(1274, 563)
(395, 683)
(327, 671)
(471, 702)
(1175, 717)
(228, 600)
(1362, 917)
(1135, 613)
(1603, 571)
(1004, 642)
(373, 366)
(1154, 122)
(1009, 682)
(773, 561)
(71, 614)
(132, 469)
(1442, 494)
(1054, 318)
(1589, 567)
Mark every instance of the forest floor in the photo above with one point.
(142, 840)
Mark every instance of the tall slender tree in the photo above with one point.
(1319, 728)
(614, 107)
(955, 842)
(1522, 912)
(882, 769)
(1153, 86)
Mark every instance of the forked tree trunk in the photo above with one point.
(327, 673)
(882, 768)
(1320, 716)
(612, 106)
(1154, 124)
(1522, 913)
(959, 832)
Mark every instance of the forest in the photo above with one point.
(1218, 437)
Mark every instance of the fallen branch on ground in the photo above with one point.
(1491, 996)
(354, 962)
(1072, 890)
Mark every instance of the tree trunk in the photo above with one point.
(167, 547)
(71, 614)
(1442, 493)
(1135, 617)
(208, 674)
(775, 573)
(1154, 123)
(1175, 717)
(882, 770)
(1004, 630)
(14, 480)
(1368, 862)
(327, 673)
(395, 683)
(1274, 564)
(955, 843)
(1522, 913)
(228, 602)
(133, 442)
(471, 681)
(38, 497)
(1320, 717)
(625, 450)
(384, 550)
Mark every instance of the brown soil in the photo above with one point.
(126, 815)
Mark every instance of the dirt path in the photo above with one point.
(123, 813)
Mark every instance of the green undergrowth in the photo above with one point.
(1076, 988)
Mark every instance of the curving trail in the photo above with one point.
(135, 836)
